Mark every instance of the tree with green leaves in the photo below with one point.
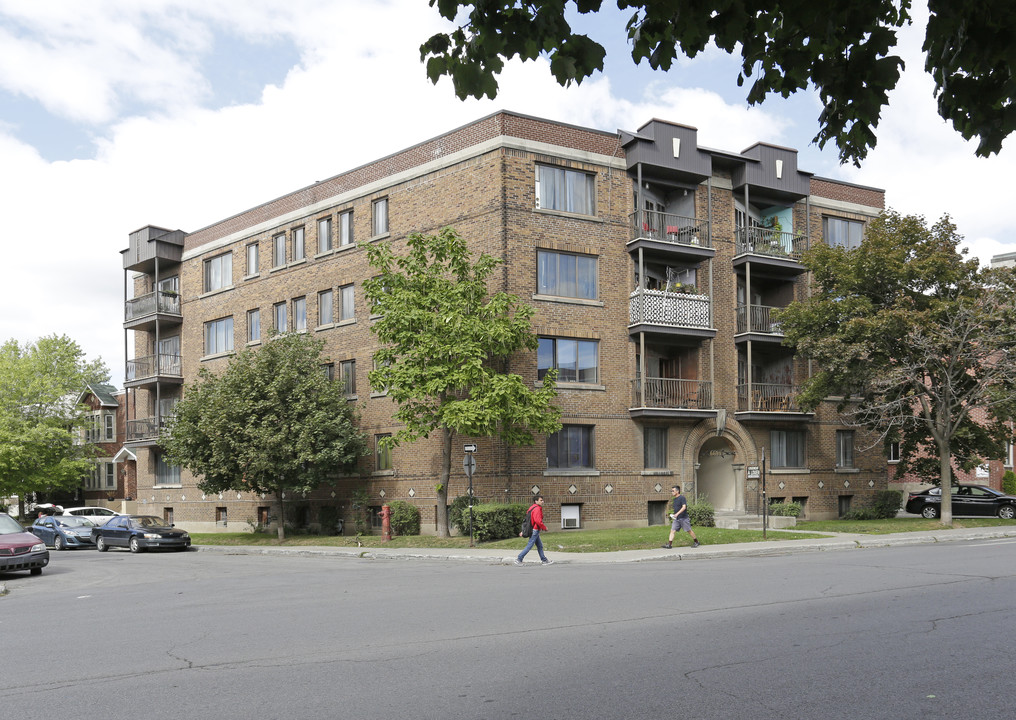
(917, 341)
(272, 422)
(446, 345)
(40, 421)
(842, 48)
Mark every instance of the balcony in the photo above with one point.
(768, 401)
(151, 369)
(665, 235)
(778, 252)
(755, 322)
(145, 431)
(669, 313)
(671, 397)
(142, 312)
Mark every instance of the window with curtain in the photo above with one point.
(346, 299)
(254, 325)
(845, 448)
(566, 190)
(324, 234)
(571, 447)
(654, 447)
(219, 272)
(279, 251)
(566, 274)
(575, 360)
(840, 232)
(299, 314)
(281, 318)
(347, 371)
(379, 225)
(252, 259)
(299, 244)
(326, 307)
(787, 448)
(346, 228)
(219, 336)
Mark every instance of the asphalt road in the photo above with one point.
(904, 632)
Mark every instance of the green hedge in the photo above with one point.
(405, 518)
(1009, 482)
(458, 513)
(885, 506)
(496, 521)
(702, 514)
(785, 509)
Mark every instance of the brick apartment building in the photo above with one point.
(653, 265)
(113, 480)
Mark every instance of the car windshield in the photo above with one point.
(72, 521)
(149, 521)
(9, 525)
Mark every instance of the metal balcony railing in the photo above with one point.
(146, 428)
(672, 393)
(668, 227)
(757, 319)
(151, 366)
(656, 307)
(159, 301)
(771, 243)
(767, 397)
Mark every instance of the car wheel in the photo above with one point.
(1007, 512)
(135, 545)
(100, 544)
(35, 571)
(929, 511)
(59, 543)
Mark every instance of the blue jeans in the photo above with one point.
(534, 540)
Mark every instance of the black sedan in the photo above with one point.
(63, 531)
(139, 532)
(966, 500)
(20, 550)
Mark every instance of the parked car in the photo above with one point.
(966, 500)
(97, 515)
(20, 550)
(139, 532)
(64, 531)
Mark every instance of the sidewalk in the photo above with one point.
(837, 541)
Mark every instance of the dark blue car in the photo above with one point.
(62, 532)
(139, 532)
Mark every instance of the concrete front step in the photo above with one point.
(733, 521)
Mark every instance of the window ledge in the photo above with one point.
(567, 300)
(215, 292)
(575, 386)
(301, 261)
(657, 472)
(344, 248)
(215, 356)
(347, 321)
(382, 236)
(253, 343)
(571, 472)
(382, 473)
(571, 215)
(277, 268)
(352, 398)
(324, 253)
(378, 395)
(177, 486)
(846, 470)
(326, 326)
(789, 471)
(251, 277)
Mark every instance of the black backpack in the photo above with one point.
(527, 524)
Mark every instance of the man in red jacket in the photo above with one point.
(536, 511)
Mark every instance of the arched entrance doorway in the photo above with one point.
(717, 480)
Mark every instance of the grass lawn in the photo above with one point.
(558, 541)
(897, 525)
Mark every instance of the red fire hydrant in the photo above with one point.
(386, 523)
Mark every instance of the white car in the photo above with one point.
(98, 515)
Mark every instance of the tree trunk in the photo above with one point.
(282, 515)
(442, 488)
(945, 472)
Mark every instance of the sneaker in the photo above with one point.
(547, 562)
(697, 543)
(518, 562)
(668, 546)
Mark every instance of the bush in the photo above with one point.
(458, 513)
(405, 518)
(497, 521)
(329, 518)
(786, 509)
(361, 511)
(1009, 482)
(701, 514)
(887, 504)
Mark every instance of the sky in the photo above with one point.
(116, 114)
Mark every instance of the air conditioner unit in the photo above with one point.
(570, 515)
(569, 522)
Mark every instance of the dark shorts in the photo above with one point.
(681, 523)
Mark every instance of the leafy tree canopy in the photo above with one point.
(918, 341)
(843, 48)
(271, 422)
(446, 342)
(40, 420)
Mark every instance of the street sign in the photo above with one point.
(469, 447)
(469, 465)
(753, 472)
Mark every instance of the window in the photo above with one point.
(347, 370)
(102, 477)
(894, 452)
(347, 309)
(281, 321)
(329, 371)
(324, 235)
(252, 259)
(254, 325)
(654, 447)
(299, 245)
(300, 314)
(346, 228)
(325, 307)
(382, 455)
(219, 336)
(571, 447)
(565, 274)
(221, 516)
(167, 515)
(109, 427)
(842, 233)
(787, 448)
(844, 448)
(575, 360)
(279, 251)
(379, 217)
(571, 191)
(1010, 454)
(166, 474)
(219, 272)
